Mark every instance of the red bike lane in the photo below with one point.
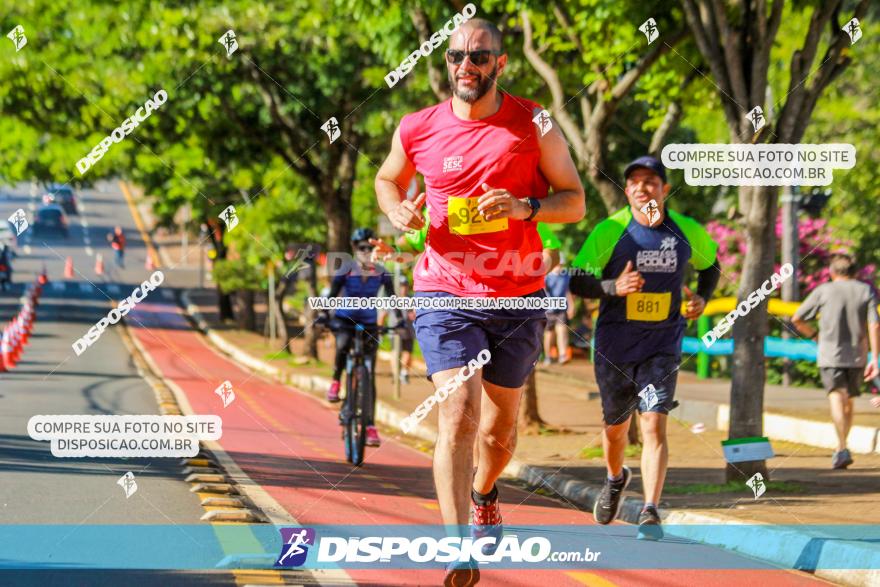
(290, 444)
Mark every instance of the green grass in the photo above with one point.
(731, 487)
(595, 452)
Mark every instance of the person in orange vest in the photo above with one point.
(117, 243)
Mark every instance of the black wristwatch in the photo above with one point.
(535, 205)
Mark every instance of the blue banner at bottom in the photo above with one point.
(264, 546)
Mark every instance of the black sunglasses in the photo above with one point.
(481, 57)
(366, 248)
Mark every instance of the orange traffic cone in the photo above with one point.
(99, 265)
(6, 351)
(23, 331)
(43, 278)
(68, 268)
(149, 265)
(15, 343)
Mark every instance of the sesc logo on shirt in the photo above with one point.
(452, 163)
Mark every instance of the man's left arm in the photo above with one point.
(567, 202)
(704, 257)
(872, 368)
(707, 281)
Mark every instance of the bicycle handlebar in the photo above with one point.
(335, 325)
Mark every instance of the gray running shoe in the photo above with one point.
(649, 524)
(841, 459)
(608, 505)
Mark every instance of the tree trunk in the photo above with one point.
(280, 317)
(224, 300)
(224, 306)
(310, 334)
(530, 421)
(749, 370)
(247, 319)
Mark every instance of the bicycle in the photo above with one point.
(358, 405)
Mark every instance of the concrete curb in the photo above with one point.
(767, 543)
(862, 439)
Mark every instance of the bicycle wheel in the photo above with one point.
(357, 424)
(347, 413)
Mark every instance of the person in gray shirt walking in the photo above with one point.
(848, 320)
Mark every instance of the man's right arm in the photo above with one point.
(586, 285)
(806, 311)
(396, 172)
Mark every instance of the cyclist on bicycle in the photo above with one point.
(359, 278)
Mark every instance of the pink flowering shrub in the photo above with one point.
(817, 243)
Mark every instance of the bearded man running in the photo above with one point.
(488, 169)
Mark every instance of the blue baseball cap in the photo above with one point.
(646, 162)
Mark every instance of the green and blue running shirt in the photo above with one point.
(639, 325)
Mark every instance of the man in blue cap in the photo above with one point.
(634, 262)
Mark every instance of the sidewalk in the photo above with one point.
(807, 486)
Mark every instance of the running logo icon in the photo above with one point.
(229, 42)
(331, 127)
(652, 211)
(649, 396)
(295, 549)
(128, 484)
(229, 217)
(542, 119)
(226, 393)
(756, 117)
(854, 30)
(757, 485)
(649, 27)
(668, 244)
(19, 221)
(18, 39)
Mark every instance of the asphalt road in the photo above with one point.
(36, 487)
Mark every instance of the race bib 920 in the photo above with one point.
(465, 219)
(648, 307)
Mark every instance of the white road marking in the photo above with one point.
(89, 251)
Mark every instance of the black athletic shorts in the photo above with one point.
(848, 378)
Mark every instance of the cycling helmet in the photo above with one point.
(362, 234)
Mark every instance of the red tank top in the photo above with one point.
(464, 255)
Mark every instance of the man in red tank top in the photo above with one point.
(487, 169)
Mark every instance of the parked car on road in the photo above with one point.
(51, 219)
(62, 195)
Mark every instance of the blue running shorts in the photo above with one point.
(449, 338)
